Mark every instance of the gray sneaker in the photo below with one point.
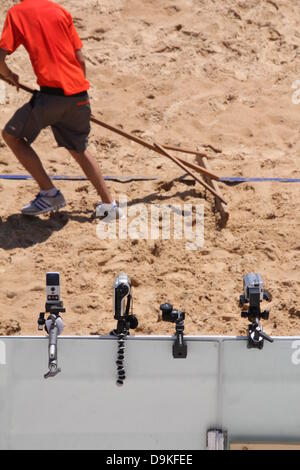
(43, 204)
(109, 212)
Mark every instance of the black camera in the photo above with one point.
(170, 315)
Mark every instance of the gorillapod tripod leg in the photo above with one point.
(121, 332)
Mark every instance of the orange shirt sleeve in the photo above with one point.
(11, 38)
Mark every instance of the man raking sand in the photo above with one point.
(47, 32)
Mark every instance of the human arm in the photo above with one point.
(81, 60)
(77, 44)
(5, 70)
(10, 40)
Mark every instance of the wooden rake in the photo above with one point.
(162, 150)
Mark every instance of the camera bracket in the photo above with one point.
(177, 317)
(256, 336)
(54, 327)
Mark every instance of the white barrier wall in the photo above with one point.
(261, 391)
(165, 403)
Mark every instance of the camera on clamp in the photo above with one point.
(253, 295)
(169, 314)
(54, 324)
(126, 320)
(123, 302)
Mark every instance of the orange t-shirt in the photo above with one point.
(47, 32)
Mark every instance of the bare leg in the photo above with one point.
(91, 169)
(29, 159)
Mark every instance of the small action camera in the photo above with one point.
(53, 288)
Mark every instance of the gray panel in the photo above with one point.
(261, 391)
(164, 404)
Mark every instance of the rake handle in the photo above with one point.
(142, 142)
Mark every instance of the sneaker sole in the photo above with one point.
(46, 211)
(107, 218)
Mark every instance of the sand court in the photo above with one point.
(216, 77)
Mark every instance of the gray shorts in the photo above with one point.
(68, 116)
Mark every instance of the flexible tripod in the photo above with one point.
(125, 323)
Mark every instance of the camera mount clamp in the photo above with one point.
(254, 294)
(54, 327)
(177, 317)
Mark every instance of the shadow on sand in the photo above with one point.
(19, 231)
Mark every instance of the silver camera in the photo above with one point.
(122, 289)
(253, 284)
(53, 288)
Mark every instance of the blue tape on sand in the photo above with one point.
(118, 179)
(229, 180)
